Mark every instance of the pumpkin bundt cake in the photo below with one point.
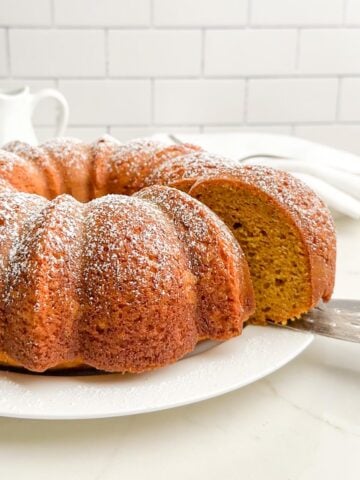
(97, 270)
(119, 283)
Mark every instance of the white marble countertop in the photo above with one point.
(300, 423)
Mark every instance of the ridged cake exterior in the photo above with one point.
(97, 270)
(119, 283)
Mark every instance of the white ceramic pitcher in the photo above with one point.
(16, 111)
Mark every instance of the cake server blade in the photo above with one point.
(337, 319)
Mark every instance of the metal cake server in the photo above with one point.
(337, 319)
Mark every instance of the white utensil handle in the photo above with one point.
(63, 115)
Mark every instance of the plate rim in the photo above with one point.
(207, 394)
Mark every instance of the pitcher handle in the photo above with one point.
(63, 115)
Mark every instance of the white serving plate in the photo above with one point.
(212, 370)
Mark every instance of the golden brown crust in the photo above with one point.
(183, 171)
(102, 150)
(124, 168)
(16, 209)
(139, 294)
(42, 301)
(47, 175)
(8, 363)
(18, 174)
(72, 160)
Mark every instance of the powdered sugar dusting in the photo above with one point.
(116, 225)
(34, 157)
(188, 167)
(25, 151)
(130, 153)
(8, 161)
(15, 209)
(70, 155)
(49, 237)
(192, 228)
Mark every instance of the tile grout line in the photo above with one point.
(211, 125)
(174, 77)
(184, 28)
(320, 123)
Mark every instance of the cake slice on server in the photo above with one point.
(285, 230)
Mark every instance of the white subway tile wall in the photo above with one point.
(352, 14)
(250, 52)
(57, 53)
(200, 13)
(145, 53)
(290, 100)
(128, 133)
(103, 13)
(200, 101)
(24, 12)
(330, 51)
(101, 102)
(297, 12)
(350, 100)
(138, 67)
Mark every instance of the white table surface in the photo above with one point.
(300, 423)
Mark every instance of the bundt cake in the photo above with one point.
(108, 259)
